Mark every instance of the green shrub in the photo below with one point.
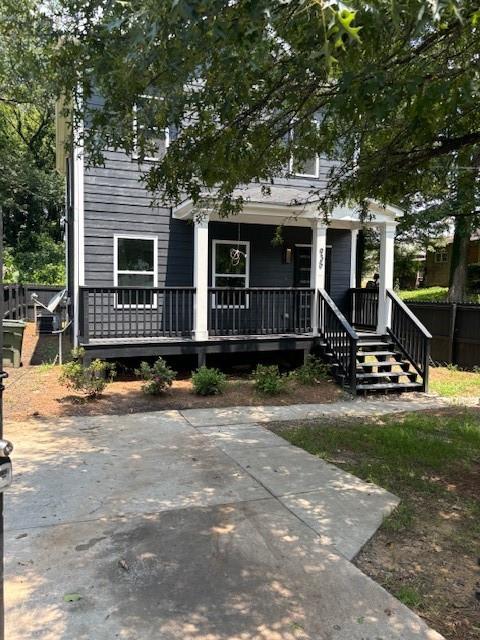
(157, 377)
(90, 380)
(208, 381)
(267, 379)
(313, 370)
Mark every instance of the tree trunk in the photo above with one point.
(458, 261)
(465, 222)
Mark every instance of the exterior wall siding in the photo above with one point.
(116, 202)
(341, 242)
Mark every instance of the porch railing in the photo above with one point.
(410, 336)
(136, 312)
(260, 311)
(364, 308)
(15, 301)
(339, 338)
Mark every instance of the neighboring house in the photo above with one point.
(437, 264)
(149, 280)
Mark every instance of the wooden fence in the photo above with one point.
(455, 330)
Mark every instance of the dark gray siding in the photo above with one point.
(116, 202)
(341, 240)
(266, 266)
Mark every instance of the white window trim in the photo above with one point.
(117, 272)
(166, 131)
(317, 161)
(216, 275)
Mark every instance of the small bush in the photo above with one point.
(157, 377)
(312, 371)
(267, 379)
(208, 381)
(90, 380)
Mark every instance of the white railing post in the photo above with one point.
(387, 242)
(200, 278)
(317, 270)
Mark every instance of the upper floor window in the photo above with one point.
(441, 256)
(306, 168)
(135, 263)
(150, 141)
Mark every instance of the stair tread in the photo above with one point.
(376, 353)
(384, 374)
(389, 385)
(383, 363)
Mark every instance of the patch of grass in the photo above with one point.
(46, 366)
(452, 382)
(430, 294)
(397, 452)
(426, 551)
(410, 596)
(401, 519)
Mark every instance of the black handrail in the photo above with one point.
(340, 338)
(15, 301)
(410, 335)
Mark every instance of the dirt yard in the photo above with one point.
(33, 391)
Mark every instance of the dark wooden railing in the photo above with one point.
(15, 301)
(410, 335)
(364, 308)
(135, 312)
(259, 311)
(339, 338)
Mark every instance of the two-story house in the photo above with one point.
(148, 280)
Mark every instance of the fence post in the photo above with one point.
(453, 328)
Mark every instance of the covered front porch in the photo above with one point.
(249, 292)
(245, 280)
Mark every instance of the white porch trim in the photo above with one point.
(353, 259)
(387, 242)
(200, 278)
(317, 269)
(78, 171)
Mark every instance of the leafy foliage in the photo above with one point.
(207, 381)
(267, 379)
(312, 371)
(90, 380)
(31, 192)
(157, 377)
(42, 261)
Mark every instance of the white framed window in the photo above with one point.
(441, 257)
(149, 141)
(135, 264)
(230, 272)
(309, 168)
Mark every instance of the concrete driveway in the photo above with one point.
(155, 526)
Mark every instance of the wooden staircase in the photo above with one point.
(381, 366)
(367, 362)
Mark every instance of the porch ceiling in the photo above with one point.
(294, 203)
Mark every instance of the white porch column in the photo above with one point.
(200, 278)
(317, 269)
(387, 240)
(353, 259)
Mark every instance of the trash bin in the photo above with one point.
(12, 342)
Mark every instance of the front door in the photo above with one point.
(302, 265)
